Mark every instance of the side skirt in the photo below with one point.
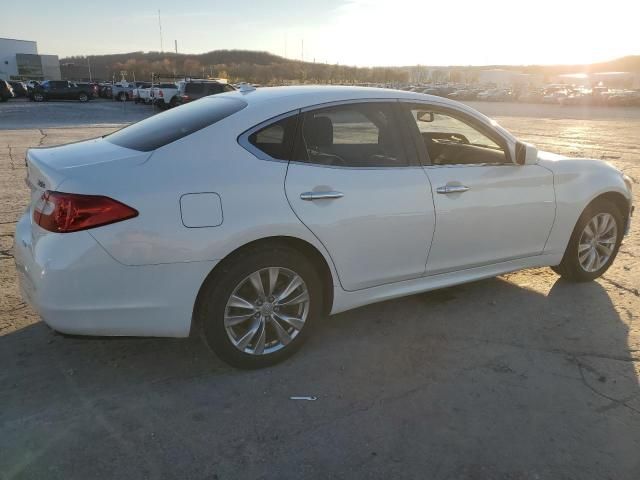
(344, 300)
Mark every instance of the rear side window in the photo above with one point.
(171, 125)
(362, 135)
(276, 139)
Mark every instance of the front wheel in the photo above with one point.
(260, 307)
(83, 97)
(38, 97)
(594, 243)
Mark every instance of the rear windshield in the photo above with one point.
(171, 125)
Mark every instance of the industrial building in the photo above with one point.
(19, 60)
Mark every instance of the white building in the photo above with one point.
(19, 60)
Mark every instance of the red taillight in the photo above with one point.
(160, 93)
(69, 212)
(185, 98)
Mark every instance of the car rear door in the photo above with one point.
(356, 186)
(488, 209)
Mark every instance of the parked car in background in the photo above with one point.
(108, 254)
(19, 88)
(531, 96)
(6, 91)
(464, 94)
(105, 90)
(123, 91)
(61, 90)
(142, 93)
(163, 95)
(189, 90)
(89, 86)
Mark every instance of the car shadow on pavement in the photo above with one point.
(485, 380)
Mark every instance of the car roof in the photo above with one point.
(267, 102)
(318, 94)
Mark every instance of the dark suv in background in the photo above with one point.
(189, 90)
(61, 90)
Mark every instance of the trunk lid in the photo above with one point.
(48, 167)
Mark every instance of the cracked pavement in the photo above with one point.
(519, 377)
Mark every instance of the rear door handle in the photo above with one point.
(321, 195)
(452, 189)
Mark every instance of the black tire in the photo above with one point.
(220, 285)
(122, 97)
(38, 97)
(570, 268)
(4, 99)
(173, 103)
(83, 97)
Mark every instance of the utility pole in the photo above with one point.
(160, 26)
(302, 50)
(89, 65)
(175, 63)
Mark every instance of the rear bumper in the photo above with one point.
(77, 288)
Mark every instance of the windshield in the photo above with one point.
(169, 126)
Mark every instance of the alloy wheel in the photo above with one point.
(597, 242)
(266, 310)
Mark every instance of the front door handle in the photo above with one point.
(321, 195)
(452, 189)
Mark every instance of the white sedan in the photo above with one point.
(250, 215)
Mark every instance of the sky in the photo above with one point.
(348, 32)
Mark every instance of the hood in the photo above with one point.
(559, 163)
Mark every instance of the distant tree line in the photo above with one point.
(235, 65)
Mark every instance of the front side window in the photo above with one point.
(354, 135)
(450, 140)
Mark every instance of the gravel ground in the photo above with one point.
(519, 377)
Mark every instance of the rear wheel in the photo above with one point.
(83, 97)
(122, 97)
(594, 243)
(38, 97)
(258, 309)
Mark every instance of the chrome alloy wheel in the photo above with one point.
(597, 242)
(266, 310)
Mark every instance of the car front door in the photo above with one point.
(488, 209)
(57, 90)
(353, 183)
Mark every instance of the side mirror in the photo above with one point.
(526, 154)
(424, 116)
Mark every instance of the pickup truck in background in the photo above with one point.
(123, 91)
(61, 90)
(164, 95)
(143, 93)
